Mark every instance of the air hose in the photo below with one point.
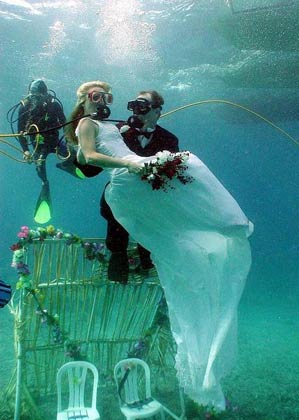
(207, 101)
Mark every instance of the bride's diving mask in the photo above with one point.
(102, 99)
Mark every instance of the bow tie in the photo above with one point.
(145, 134)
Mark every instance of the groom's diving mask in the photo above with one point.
(139, 106)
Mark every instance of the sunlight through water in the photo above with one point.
(122, 28)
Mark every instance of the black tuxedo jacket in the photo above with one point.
(161, 140)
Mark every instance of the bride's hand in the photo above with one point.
(135, 168)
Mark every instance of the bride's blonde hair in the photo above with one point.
(78, 111)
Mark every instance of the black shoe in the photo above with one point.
(145, 258)
(144, 271)
(146, 265)
(118, 268)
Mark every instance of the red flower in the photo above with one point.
(166, 167)
(15, 247)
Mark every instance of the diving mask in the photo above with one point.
(103, 97)
(139, 106)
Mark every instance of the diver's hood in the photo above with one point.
(38, 87)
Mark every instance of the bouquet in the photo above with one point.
(167, 166)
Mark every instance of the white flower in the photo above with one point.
(18, 255)
(184, 156)
(167, 166)
(163, 156)
(124, 129)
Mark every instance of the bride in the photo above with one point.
(196, 233)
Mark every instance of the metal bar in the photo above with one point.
(18, 322)
(258, 9)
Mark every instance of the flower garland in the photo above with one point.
(142, 347)
(166, 167)
(92, 251)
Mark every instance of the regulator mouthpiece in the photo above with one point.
(102, 113)
(135, 122)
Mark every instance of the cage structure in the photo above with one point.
(73, 312)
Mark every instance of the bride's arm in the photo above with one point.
(88, 132)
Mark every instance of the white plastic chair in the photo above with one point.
(130, 375)
(77, 372)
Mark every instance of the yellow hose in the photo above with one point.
(166, 114)
(222, 101)
(11, 157)
(17, 148)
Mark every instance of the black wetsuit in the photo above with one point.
(117, 237)
(45, 113)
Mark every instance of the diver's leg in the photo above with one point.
(63, 148)
(40, 157)
(68, 155)
(117, 239)
(43, 207)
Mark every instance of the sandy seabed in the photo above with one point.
(264, 385)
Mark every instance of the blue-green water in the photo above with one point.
(187, 50)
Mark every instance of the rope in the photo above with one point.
(11, 157)
(11, 145)
(208, 101)
(12, 135)
(38, 139)
(237, 106)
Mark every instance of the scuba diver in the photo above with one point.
(42, 112)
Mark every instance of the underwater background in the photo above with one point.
(245, 52)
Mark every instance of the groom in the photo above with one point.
(145, 138)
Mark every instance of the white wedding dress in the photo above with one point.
(197, 235)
